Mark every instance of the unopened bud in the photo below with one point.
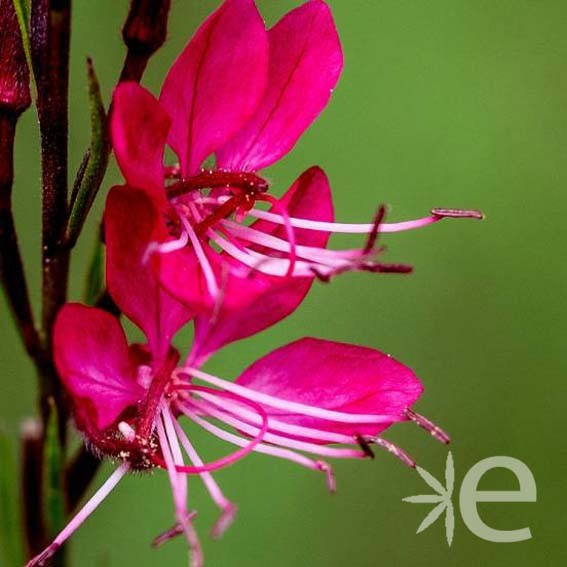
(14, 73)
(145, 29)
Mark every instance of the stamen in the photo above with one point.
(458, 213)
(227, 507)
(362, 266)
(171, 245)
(173, 458)
(396, 451)
(276, 425)
(320, 255)
(338, 453)
(172, 532)
(278, 452)
(279, 208)
(373, 236)
(328, 470)
(428, 426)
(202, 257)
(351, 228)
(222, 212)
(237, 455)
(365, 446)
(81, 516)
(289, 406)
(265, 264)
(381, 268)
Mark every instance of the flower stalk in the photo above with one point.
(144, 33)
(14, 99)
(50, 37)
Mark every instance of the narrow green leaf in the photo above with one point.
(10, 543)
(53, 478)
(94, 286)
(92, 170)
(22, 13)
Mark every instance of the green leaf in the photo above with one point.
(10, 543)
(94, 286)
(54, 474)
(91, 173)
(22, 13)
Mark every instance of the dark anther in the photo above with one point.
(458, 213)
(365, 446)
(324, 278)
(373, 236)
(428, 426)
(173, 532)
(396, 451)
(388, 268)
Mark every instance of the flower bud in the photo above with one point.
(145, 29)
(14, 73)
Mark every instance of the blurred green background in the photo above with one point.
(457, 103)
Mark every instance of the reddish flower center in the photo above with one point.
(245, 187)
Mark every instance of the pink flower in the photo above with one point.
(244, 95)
(299, 400)
(128, 401)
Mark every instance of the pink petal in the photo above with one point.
(305, 64)
(334, 376)
(216, 83)
(251, 301)
(139, 128)
(308, 198)
(91, 355)
(132, 221)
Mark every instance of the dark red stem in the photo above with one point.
(50, 37)
(78, 476)
(153, 399)
(32, 487)
(12, 276)
(144, 33)
(246, 181)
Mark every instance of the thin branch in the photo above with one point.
(12, 276)
(32, 486)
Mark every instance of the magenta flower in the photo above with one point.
(295, 403)
(299, 400)
(244, 95)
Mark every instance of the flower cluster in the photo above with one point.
(189, 243)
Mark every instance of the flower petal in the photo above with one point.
(308, 198)
(139, 127)
(334, 376)
(132, 221)
(217, 82)
(251, 301)
(305, 64)
(91, 355)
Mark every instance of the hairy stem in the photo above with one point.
(51, 25)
